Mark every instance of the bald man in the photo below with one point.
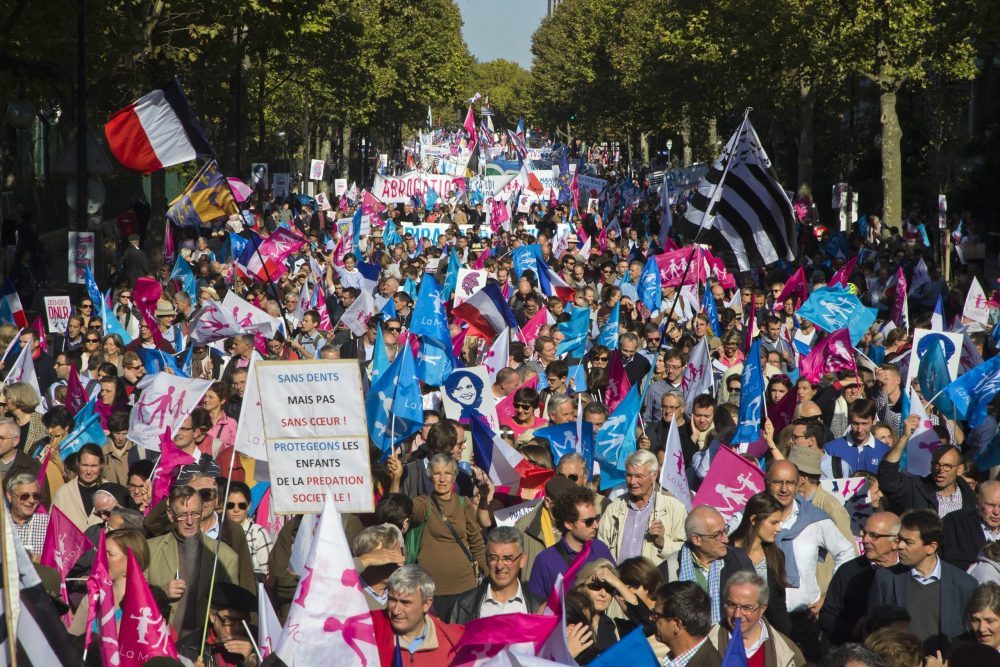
(966, 531)
(847, 597)
(705, 556)
(811, 411)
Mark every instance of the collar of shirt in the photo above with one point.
(518, 596)
(991, 535)
(685, 657)
(870, 442)
(764, 636)
(790, 521)
(935, 574)
(419, 641)
(381, 599)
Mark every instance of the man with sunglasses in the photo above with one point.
(24, 496)
(574, 513)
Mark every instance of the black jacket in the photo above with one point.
(963, 538)
(466, 607)
(847, 599)
(904, 491)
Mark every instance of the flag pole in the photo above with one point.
(712, 200)
(218, 547)
(8, 601)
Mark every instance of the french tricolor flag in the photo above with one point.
(156, 131)
(13, 304)
(504, 465)
(487, 312)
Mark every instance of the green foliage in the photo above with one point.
(508, 85)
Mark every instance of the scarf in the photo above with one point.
(688, 573)
(808, 515)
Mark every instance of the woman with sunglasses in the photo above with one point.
(526, 401)
(86, 311)
(127, 313)
(599, 580)
(756, 535)
(259, 541)
(91, 346)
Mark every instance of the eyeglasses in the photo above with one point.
(589, 521)
(104, 514)
(138, 367)
(600, 360)
(188, 516)
(506, 560)
(394, 329)
(185, 428)
(674, 367)
(944, 467)
(524, 406)
(136, 487)
(207, 494)
(878, 536)
(229, 620)
(232, 506)
(86, 306)
(745, 608)
(717, 535)
(93, 340)
(782, 482)
(124, 296)
(25, 497)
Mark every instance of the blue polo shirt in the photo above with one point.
(550, 563)
(858, 457)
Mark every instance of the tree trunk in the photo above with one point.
(157, 217)
(644, 146)
(686, 138)
(807, 108)
(713, 138)
(892, 164)
(345, 149)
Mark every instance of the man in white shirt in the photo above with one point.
(805, 531)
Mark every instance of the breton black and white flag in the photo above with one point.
(745, 204)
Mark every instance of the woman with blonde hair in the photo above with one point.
(117, 545)
(599, 580)
(22, 399)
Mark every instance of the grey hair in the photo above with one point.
(743, 577)
(506, 535)
(383, 536)
(673, 393)
(852, 653)
(20, 480)
(630, 337)
(132, 518)
(412, 579)
(643, 457)
(571, 457)
(442, 459)
(556, 402)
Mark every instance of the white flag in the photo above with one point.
(921, 445)
(329, 622)
(672, 473)
(977, 307)
(356, 316)
(305, 301)
(251, 318)
(23, 370)
(164, 403)
(250, 427)
(499, 355)
(212, 322)
(697, 377)
(268, 627)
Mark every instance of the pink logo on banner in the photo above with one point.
(730, 482)
(143, 633)
(102, 605)
(834, 353)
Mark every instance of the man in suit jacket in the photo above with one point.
(932, 591)
(966, 531)
(846, 601)
(181, 561)
(135, 262)
(683, 619)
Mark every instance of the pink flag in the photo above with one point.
(900, 316)
(781, 413)
(602, 239)
(730, 482)
(843, 274)
(470, 126)
(529, 332)
(268, 263)
(458, 343)
(168, 245)
(341, 250)
(143, 633)
(751, 327)
(505, 406)
(76, 395)
(145, 296)
(499, 215)
(568, 581)
(553, 202)
(795, 289)
(101, 596)
(40, 328)
(574, 191)
(171, 458)
(483, 638)
(834, 353)
(618, 382)
(63, 546)
(324, 316)
(481, 259)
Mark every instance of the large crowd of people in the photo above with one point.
(904, 572)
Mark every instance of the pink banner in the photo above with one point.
(143, 633)
(703, 265)
(795, 289)
(730, 482)
(834, 353)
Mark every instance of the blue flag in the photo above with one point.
(432, 198)
(390, 236)
(577, 378)
(751, 397)
(410, 288)
(393, 405)
(649, 289)
(429, 319)
(708, 306)
(451, 278)
(832, 308)
(236, 245)
(185, 359)
(388, 310)
(632, 649)
(608, 334)
(93, 291)
(563, 439)
(111, 323)
(86, 428)
(932, 372)
(736, 653)
(183, 274)
(972, 392)
(616, 440)
(380, 358)
(526, 257)
(576, 329)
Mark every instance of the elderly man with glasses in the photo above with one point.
(24, 496)
(745, 598)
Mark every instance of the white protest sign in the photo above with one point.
(470, 281)
(401, 189)
(316, 170)
(922, 341)
(854, 493)
(323, 202)
(57, 310)
(279, 183)
(508, 516)
(316, 435)
(165, 403)
(81, 255)
(590, 185)
(339, 186)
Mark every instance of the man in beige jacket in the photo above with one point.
(75, 498)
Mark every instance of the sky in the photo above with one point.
(495, 29)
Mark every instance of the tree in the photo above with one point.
(508, 86)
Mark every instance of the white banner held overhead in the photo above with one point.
(316, 435)
(165, 403)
